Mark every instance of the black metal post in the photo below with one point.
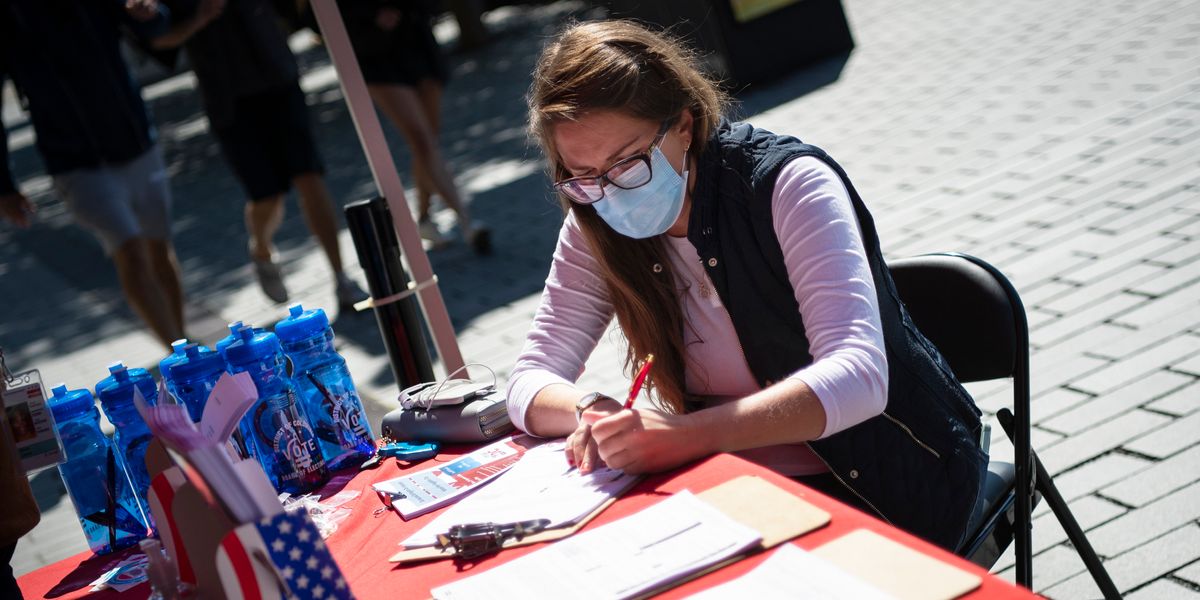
(1058, 506)
(370, 225)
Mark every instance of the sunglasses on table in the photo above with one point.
(627, 174)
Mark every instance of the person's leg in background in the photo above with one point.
(139, 282)
(404, 109)
(321, 217)
(297, 159)
(263, 217)
(169, 277)
(152, 206)
(246, 143)
(105, 200)
(317, 207)
(430, 93)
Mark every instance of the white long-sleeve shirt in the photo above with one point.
(827, 267)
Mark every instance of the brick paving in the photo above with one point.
(1058, 140)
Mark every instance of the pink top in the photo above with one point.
(827, 266)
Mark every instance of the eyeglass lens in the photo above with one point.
(633, 172)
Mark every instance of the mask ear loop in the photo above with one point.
(427, 400)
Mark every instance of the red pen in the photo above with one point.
(636, 388)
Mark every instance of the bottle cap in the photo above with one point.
(301, 324)
(251, 346)
(198, 361)
(116, 390)
(65, 403)
(224, 342)
(177, 346)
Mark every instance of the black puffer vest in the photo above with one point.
(918, 465)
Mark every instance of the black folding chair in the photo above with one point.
(975, 317)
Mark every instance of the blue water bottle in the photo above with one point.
(194, 376)
(94, 475)
(116, 398)
(286, 447)
(323, 383)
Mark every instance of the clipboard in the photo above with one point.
(895, 568)
(427, 553)
(777, 515)
(752, 501)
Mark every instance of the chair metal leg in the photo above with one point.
(1058, 506)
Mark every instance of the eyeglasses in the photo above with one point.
(627, 174)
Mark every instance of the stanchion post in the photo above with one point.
(399, 320)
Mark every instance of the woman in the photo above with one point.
(405, 74)
(748, 265)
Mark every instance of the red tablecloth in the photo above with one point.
(364, 542)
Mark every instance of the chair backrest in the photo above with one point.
(975, 317)
(967, 308)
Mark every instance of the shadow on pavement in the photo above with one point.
(483, 137)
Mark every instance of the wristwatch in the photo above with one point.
(586, 402)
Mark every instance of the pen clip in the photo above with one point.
(474, 540)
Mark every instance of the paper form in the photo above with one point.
(228, 401)
(793, 573)
(541, 486)
(668, 541)
(415, 494)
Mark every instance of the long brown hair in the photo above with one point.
(621, 65)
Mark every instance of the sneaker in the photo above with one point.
(479, 238)
(270, 278)
(430, 233)
(348, 292)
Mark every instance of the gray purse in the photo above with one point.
(454, 411)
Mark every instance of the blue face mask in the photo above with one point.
(648, 210)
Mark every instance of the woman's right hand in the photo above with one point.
(581, 450)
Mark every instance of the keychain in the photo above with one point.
(410, 452)
(27, 419)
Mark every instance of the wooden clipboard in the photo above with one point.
(776, 514)
(752, 501)
(895, 568)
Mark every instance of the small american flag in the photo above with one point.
(279, 557)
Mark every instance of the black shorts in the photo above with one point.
(269, 141)
(405, 55)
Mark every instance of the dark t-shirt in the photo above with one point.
(241, 53)
(65, 58)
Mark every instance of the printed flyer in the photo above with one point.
(418, 493)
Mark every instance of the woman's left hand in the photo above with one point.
(647, 441)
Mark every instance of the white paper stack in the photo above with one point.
(241, 486)
(667, 542)
(541, 486)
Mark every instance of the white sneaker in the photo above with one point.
(270, 278)
(348, 292)
(430, 233)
